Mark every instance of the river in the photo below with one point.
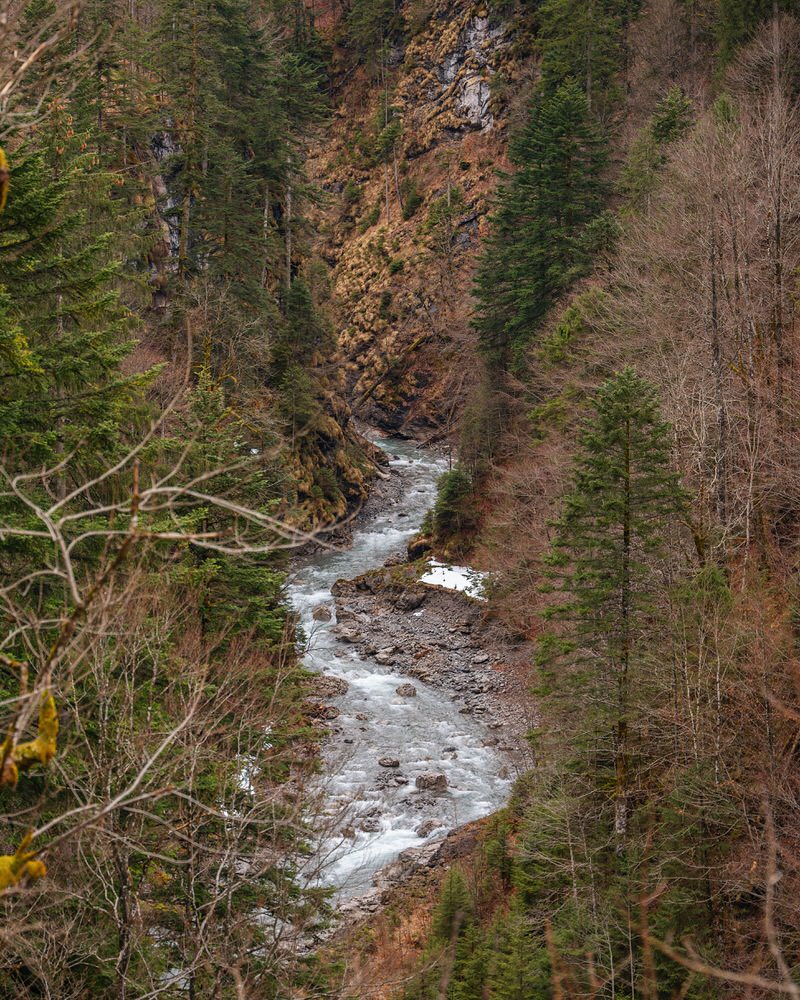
(425, 733)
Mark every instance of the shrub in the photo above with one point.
(455, 516)
(410, 196)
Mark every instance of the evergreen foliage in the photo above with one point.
(534, 250)
(583, 41)
(65, 393)
(611, 532)
(648, 154)
(454, 517)
(738, 20)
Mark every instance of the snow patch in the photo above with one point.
(461, 578)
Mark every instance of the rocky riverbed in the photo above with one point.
(438, 637)
(417, 695)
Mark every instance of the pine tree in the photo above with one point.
(368, 24)
(648, 154)
(534, 250)
(583, 40)
(68, 394)
(738, 21)
(519, 962)
(454, 909)
(623, 495)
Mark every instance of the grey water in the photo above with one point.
(371, 818)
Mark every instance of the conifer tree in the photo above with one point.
(60, 292)
(582, 40)
(454, 909)
(534, 250)
(738, 20)
(368, 24)
(519, 963)
(623, 495)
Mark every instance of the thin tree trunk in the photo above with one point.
(288, 235)
(621, 759)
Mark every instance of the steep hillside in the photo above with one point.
(408, 164)
(628, 462)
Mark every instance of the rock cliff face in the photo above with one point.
(401, 226)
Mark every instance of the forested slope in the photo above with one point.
(629, 471)
(562, 237)
(172, 423)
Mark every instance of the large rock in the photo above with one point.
(322, 613)
(347, 634)
(418, 547)
(384, 659)
(406, 691)
(390, 762)
(430, 782)
(410, 600)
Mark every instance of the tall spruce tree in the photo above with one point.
(738, 21)
(369, 24)
(68, 393)
(583, 40)
(534, 250)
(623, 495)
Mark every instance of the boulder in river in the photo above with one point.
(389, 762)
(430, 782)
(385, 659)
(406, 691)
(322, 613)
(426, 829)
(329, 712)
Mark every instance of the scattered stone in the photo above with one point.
(384, 659)
(449, 749)
(406, 691)
(370, 825)
(326, 686)
(329, 712)
(322, 613)
(431, 782)
(389, 762)
(410, 600)
(362, 716)
(426, 829)
(400, 779)
(347, 634)
(480, 658)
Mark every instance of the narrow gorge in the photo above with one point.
(399, 499)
